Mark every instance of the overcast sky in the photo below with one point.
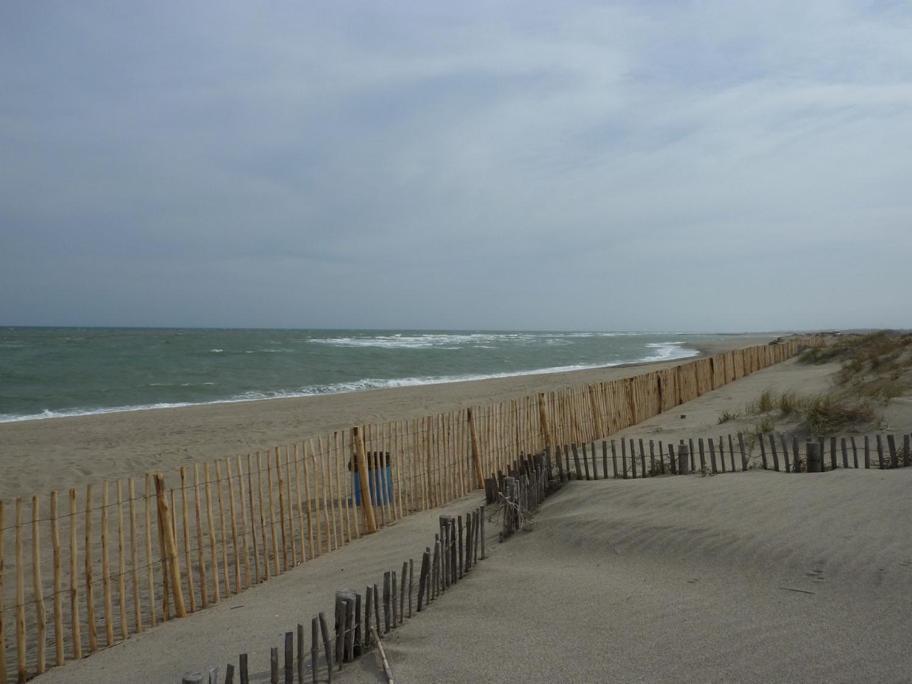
(627, 165)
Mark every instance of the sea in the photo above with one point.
(51, 372)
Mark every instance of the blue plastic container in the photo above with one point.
(380, 493)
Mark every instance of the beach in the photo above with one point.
(748, 576)
(57, 453)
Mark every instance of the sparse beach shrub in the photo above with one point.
(826, 414)
(726, 416)
(788, 403)
(764, 404)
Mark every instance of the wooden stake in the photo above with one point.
(223, 538)
(338, 477)
(134, 558)
(253, 526)
(292, 534)
(200, 546)
(348, 452)
(272, 521)
(318, 496)
(476, 451)
(310, 498)
(37, 590)
(210, 524)
(147, 495)
(297, 482)
(74, 591)
(399, 457)
(191, 593)
(326, 492)
(280, 482)
(327, 647)
(387, 670)
(367, 506)
(245, 549)
(106, 567)
(58, 583)
(234, 528)
(20, 598)
(261, 501)
(170, 546)
(121, 564)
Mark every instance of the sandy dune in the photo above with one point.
(754, 576)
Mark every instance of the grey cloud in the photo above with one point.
(660, 165)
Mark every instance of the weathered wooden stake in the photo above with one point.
(411, 569)
(402, 589)
(242, 669)
(300, 653)
(386, 602)
(289, 658)
(422, 578)
(173, 561)
(683, 459)
(476, 451)
(370, 520)
(814, 461)
(58, 585)
(327, 647)
(314, 649)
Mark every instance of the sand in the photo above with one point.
(40, 455)
(755, 576)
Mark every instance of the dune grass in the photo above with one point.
(875, 368)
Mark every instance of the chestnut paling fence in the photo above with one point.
(83, 569)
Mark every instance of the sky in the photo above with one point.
(644, 165)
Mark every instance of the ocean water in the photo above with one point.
(47, 372)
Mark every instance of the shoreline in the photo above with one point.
(44, 454)
(406, 383)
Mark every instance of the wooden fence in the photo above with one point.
(638, 457)
(83, 569)
(361, 619)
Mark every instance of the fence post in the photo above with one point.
(367, 505)
(683, 459)
(814, 462)
(166, 530)
(476, 452)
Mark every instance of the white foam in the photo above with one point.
(456, 340)
(665, 351)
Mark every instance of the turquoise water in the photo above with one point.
(46, 372)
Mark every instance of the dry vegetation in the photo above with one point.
(876, 368)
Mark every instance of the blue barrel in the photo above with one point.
(376, 485)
